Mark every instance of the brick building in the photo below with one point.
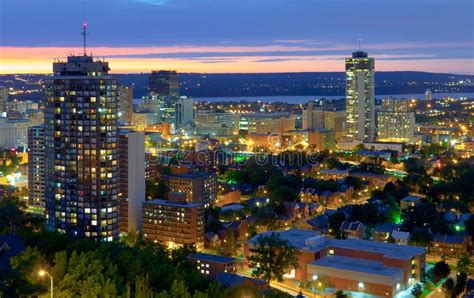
(173, 222)
(370, 267)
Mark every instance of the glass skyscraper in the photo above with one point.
(81, 154)
(360, 99)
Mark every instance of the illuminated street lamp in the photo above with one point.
(42, 273)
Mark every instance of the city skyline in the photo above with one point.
(234, 37)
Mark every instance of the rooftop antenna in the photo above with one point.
(84, 38)
(360, 39)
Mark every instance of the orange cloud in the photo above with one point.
(39, 60)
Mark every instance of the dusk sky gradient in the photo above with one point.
(239, 36)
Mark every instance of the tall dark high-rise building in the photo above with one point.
(125, 104)
(360, 97)
(36, 166)
(164, 83)
(81, 154)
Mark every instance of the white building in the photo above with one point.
(184, 108)
(395, 121)
(132, 176)
(14, 133)
(360, 99)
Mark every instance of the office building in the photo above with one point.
(313, 116)
(173, 222)
(198, 187)
(324, 118)
(21, 106)
(3, 100)
(164, 83)
(184, 112)
(131, 179)
(335, 120)
(360, 100)
(395, 121)
(266, 123)
(215, 123)
(125, 104)
(263, 141)
(370, 267)
(36, 165)
(14, 133)
(164, 129)
(428, 94)
(142, 120)
(318, 139)
(81, 150)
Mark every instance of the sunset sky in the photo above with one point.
(239, 36)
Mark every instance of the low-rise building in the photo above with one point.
(384, 232)
(370, 267)
(173, 223)
(213, 265)
(353, 230)
(409, 202)
(450, 245)
(401, 238)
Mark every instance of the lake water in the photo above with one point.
(305, 99)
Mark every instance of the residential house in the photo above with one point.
(353, 230)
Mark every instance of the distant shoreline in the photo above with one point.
(297, 99)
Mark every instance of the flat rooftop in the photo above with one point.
(357, 265)
(172, 204)
(389, 250)
(297, 238)
(212, 258)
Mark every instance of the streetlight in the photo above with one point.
(42, 273)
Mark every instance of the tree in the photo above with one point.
(340, 294)
(417, 290)
(156, 188)
(420, 238)
(464, 264)
(26, 267)
(448, 287)
(415, 166)
(354, 182)
(272, 257)
(244, 290)
(335, 221)
(461, 282)
(440, 270)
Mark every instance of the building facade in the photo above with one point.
(184, 109)
(3, 99)
(198, 187)
(36, 166)
(125, 104)
(360, 97)
(173, 223)
(164, 83)
(14, 133)
(132, 177)
(266, 123)
(368, 267)
(81, 150)
(215, 123)
(395, 121)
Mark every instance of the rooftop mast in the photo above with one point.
(84, 38)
